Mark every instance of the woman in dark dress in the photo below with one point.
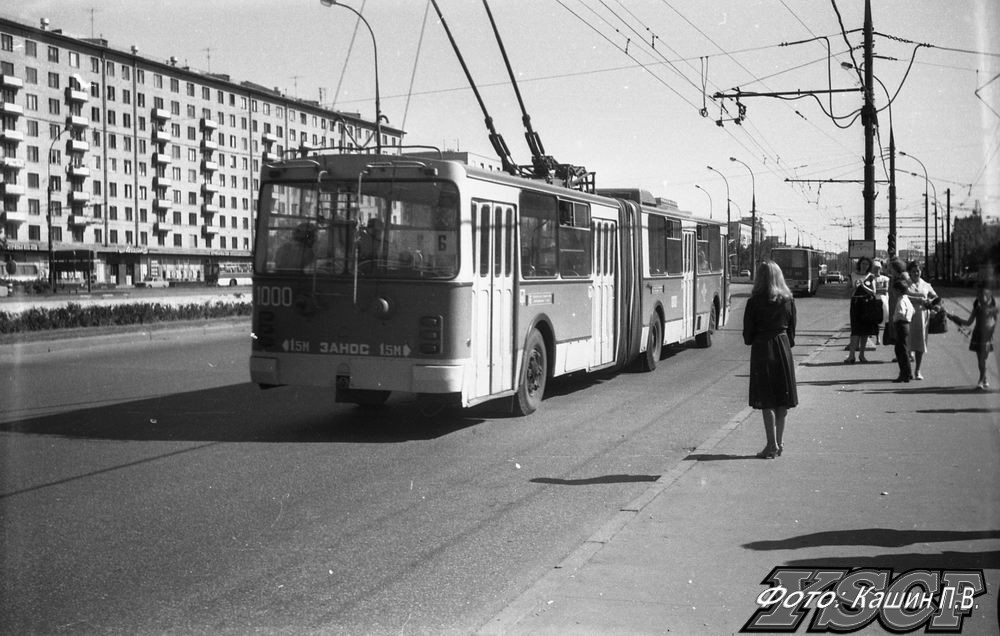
(861, 326)
(769, 330)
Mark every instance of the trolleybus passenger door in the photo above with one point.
(493, 298)
(687, 286)
(604, 270)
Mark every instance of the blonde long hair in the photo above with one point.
(770, 282)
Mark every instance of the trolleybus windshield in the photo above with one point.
(395, 229)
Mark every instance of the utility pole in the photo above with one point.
(891, 238)
(947, 235)
(868, 117)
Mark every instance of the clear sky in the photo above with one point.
(618, 86)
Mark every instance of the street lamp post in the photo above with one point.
(927, 231)
(710, 212)
(48, 209)
(378, 102)
(729, 220)
(753, 218)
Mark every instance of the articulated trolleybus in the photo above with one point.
(801, 266)
(377, 273)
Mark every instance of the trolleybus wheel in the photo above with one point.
(704, 340)
(534, 373)
(654, 345)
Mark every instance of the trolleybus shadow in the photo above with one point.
(244, 413)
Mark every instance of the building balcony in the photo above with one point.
(77, 145)
(269, 138)
(209, 166)
(77, 172)
(11, 163)
(162, 226)
(76, 96)
(209, 190)
(161, 159)
(11, 135)
(271, 157)
(208, 125)
(9, 82)
(208, 231)
(79, 197)
(208, 146)
(77, 121)
(162, 205)
(159, 114)
(11, 109)
(162, 183)
(9, 190)
(79, 220)
(209, 209)
(162, 136)
(13, 216)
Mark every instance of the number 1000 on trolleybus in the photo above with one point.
(377, 273)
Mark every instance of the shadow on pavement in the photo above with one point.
(244, 413)
(881, 537)
(906, 562)
(709, 457)
(589, 481)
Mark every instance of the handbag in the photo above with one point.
(873, 310)
(937, 322)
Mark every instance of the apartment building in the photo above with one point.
(151, 166)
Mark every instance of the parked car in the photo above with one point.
(744, 273)
(834, 277)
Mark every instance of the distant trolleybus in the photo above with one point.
(375, 274)
(801, 267)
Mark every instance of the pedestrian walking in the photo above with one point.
(862, 325)
(881, 290)
(924, 299)
(901, 317)
(983, 320)
(769, 330)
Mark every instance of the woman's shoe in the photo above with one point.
(863, 360)
(769, 452)
(849, 361)
(781, 447)
(919, 376)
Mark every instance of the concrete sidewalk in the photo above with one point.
(874, 474)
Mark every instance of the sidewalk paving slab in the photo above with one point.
(874, 474)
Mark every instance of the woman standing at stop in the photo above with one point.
(769, 329)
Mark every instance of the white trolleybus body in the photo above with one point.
(375, 274)
(801, 268)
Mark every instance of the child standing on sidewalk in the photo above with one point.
(983, 320)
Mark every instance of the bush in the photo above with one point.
(74, 315)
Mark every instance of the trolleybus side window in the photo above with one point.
(574, 239)
(709, 237)
(666, 253)
(538, 235)
(675, 248)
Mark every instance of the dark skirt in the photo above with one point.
(772, 374)
(860, 326)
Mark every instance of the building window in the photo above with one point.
(110, 68)
(54, 80)
(95, 65)
(31, 48)
(7, 42)
(53, 54)
(157, 80)
(74, 59)
(31, 101)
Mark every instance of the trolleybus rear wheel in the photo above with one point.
(654, 345)
(534, 373)
(704, 340)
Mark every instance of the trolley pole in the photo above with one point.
(891, 239)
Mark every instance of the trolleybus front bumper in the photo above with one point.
(409, 376)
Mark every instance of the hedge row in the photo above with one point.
(76, 315)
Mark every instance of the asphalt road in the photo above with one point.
(150, 488)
